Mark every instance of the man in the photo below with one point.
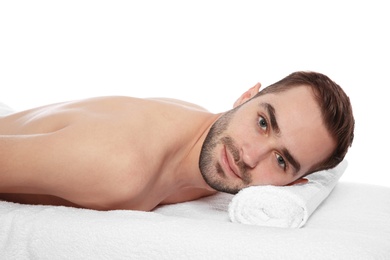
(128, 153)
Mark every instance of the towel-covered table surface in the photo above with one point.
(352, 223)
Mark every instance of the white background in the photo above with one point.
(206, 52)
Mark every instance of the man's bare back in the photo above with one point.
(104, 153)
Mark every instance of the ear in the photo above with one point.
(299, 181)
(250, 93)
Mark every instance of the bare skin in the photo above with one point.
(129, 153)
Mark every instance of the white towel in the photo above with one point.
(5, 110)
(284, 206)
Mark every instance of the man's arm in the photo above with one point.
(49, 163)
(67, 163)
(28, 163)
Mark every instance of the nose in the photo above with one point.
(252, 153)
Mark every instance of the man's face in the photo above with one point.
(273, 139)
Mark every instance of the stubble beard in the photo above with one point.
(210, 168)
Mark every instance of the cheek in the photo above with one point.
(244, 132)
(265, 174)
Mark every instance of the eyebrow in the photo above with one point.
(274, 124)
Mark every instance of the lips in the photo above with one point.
(228, 163)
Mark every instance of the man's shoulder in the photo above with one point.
(183, 103)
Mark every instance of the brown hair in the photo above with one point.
(335, 107)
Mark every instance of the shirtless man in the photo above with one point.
(129, 153)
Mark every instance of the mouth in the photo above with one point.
(228, 163)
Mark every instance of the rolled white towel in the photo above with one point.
(284, 206)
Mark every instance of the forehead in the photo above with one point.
(292, 94)
(295, 102)
(302, 130)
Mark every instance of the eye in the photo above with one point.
(263, 123)
(281, 162)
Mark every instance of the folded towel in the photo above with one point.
(284, 206)
(5, 110)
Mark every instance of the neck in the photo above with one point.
(188, 174)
